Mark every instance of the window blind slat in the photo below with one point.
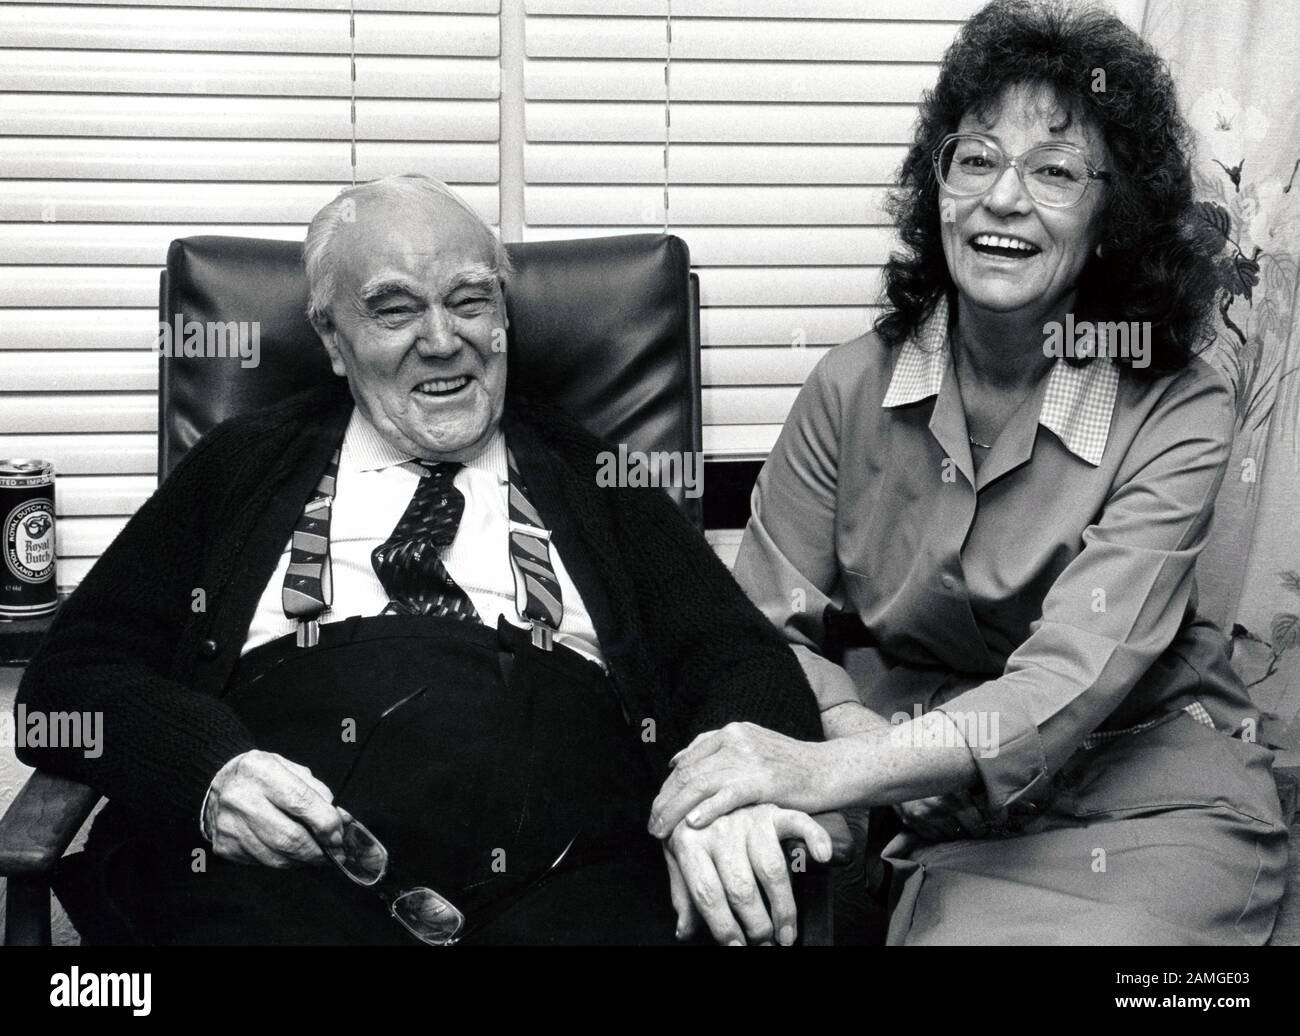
(406, 6)
(750, 405)
(564, 121)
(77, 371)
(118, 244)
(719, 39)
(558, 79)
(88, 328)
(88, 454)
(93, 285)
(196, 30)
(87, 412)
(72, 571)
(111, 202)
(289, 75)
(739, 441)
(711, 164)
(919, 10)
(84, 495)
(86, 537)
(255, 118)
(759, 246)
(758, 366)
(784, 326)
(791, 286)
(707, 206)
(52, 158)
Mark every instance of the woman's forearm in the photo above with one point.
(849, 718)
(870, 762)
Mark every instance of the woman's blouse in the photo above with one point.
(1052, 590)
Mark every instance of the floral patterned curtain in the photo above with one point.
(1237, 66)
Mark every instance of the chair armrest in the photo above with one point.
(843, 837)
(41, 823)
(814, 884)
(846, 838)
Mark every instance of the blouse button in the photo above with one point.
(208, 648)
(949, 582)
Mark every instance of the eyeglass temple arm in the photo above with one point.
(486, 917)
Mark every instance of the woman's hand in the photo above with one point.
(724, 872)
(941, 818)
(739, 765)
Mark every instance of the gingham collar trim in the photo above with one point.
(365, 449)
(1077, 406)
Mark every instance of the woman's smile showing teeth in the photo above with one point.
(442, 386)
(1003, 246)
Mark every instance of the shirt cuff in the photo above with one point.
(1004, 744)
(203, 812)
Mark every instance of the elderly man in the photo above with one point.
(429, 648)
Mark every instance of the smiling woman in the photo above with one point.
(1110, 90)
(1013, 533)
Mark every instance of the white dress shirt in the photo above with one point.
(375, 484)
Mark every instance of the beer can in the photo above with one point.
(27, 584)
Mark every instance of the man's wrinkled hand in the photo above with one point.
(263, 808)
(733, 875)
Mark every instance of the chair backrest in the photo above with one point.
(606, 328)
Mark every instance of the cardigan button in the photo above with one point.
(208, 648)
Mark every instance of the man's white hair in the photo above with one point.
(318, 254)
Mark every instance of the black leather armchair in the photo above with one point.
(608, 328)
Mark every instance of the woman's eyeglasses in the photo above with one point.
(1055, 175)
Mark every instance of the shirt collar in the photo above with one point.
(1077, 406)
(365, 449)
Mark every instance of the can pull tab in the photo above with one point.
(542, 636)
(308, 633)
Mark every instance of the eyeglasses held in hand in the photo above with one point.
(1055, 175)
(427, 915)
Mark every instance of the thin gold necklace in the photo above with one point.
(956, 336)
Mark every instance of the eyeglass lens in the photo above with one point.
(428, 916)
(361, 856)
(1052, 175)
(421, 911)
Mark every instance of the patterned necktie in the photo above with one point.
(407, 563)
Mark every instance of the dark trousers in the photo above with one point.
(473, 756)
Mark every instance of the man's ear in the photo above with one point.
(329, 335)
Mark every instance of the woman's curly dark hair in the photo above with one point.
(1154, 266)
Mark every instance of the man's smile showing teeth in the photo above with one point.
(1001, 245)
(442, 386)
